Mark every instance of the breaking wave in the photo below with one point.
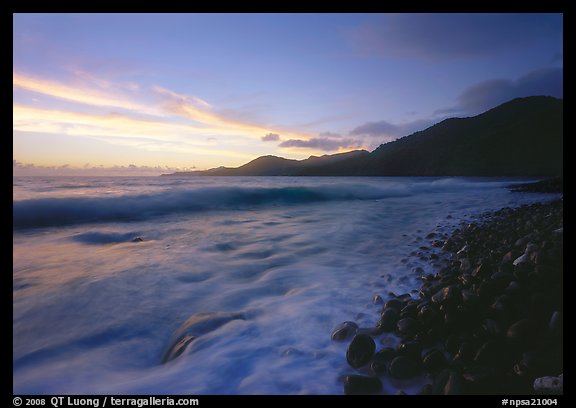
(46, 212)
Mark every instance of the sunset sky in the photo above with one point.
(145, 93)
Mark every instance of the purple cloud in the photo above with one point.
(271, 137)
(385, 129)
(493, 92)
(325, 144)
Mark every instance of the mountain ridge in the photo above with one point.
(522, 137)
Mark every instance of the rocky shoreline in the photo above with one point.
(490, 321)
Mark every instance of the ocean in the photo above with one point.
(106, 270)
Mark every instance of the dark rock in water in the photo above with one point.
(513, 288)
(388, 319)
(425, 390)
(386, 354)
(555, 323)
(488, 289)
(549, 385)
(479, 377)
(482, 270)
(429, 316)
(454, 384)
(492, 353)
(440, 382)
(435, 333)
(382, 360)
(377, 300)
(379, 367)
(491, 328)
(433, 361)
(412, 349)
(404, 297)
(138, 239)
(465, 353)
(449, 294)
(409, 311)
(360, 350)
(532, 362)
(393, 304)
(178, 348)
(452, 343)
(403, 368)
(344, 330)
(408, 326)
(359, 384)
(195, 326)
(521, 332)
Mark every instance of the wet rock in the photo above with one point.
(464, 265)
(469, 298)
(360, 350)
(452, 343)
(434, 361)
(492, 353)
(487, 289)
(359, 384)
(410, 310)
(408, 326)
(555, 323)
(482, 271)
(393, 304)
(510, 256)
(449, 294)
(377, 300)
(197, 325)
(344, 331)
(138, 239)
(429, 316)
(440, 382)
(403, 368)
(513, 288)
(454, 384)
(389, 319)
(386, 354)
(520, 333)
(178, 348)
(478, 374)
(381, 360)
(425, 390)
(465, 353)
(549, 385)
(521, 259)
(412, 349)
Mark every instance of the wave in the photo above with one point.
(46, 212)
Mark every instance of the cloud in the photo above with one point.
(448, 36)
(271, 137)
(78, 94)
(387, 131)
(326, 144)
(493, 92)
(380, 128)
(161, 106)
(122, 130)
(153, 119)
(29, 169)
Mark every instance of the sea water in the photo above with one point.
(106, 270)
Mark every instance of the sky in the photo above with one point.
(151, 93)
